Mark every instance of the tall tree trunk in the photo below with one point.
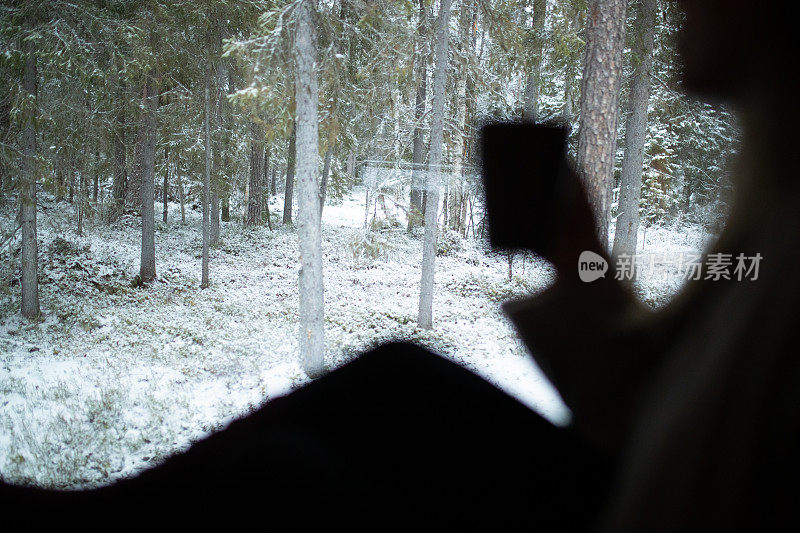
(181, 196)
(5, 129)
(533, 83)
(225, 214)
(425, 316)
(81, 201)
(255, 202)
(570, 69)
(351, 167)
(96, 180)
(165, 188)
(273, 186)
(415, 211)
(635, 131)
(221, 123)
(224, 79)
(134, 192)
(214, 216)
(289, 192)
(61, 181)
(204, 277)
(326, 169)
(30, 250)
(147, 269)
(265, 186)
(459, 136)
(118, 148)
(72, 171)
(312, 340)
(597, 135)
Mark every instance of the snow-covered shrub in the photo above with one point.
(384, 223)
(368, 245)
(449, 243)
(496, 290)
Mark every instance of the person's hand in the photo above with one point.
(574, 231)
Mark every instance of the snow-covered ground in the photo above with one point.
(113, 379)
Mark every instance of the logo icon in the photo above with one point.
(591, 266)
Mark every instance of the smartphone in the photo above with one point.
(525, 177)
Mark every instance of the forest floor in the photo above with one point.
(113, 379)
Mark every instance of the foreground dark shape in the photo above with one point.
(399, 434)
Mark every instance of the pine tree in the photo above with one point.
(597, 135)
(311, 331)
(425, 316)
(627, 228)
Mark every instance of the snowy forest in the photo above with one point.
(206, 204)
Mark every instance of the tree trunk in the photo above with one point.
(96, 180)
(134, 192)
(597, 135)
(147, 269)
(415, 211)
(224, 79)
(71, 196)
(312, 341)
(181, 196)
(225, 214)
(265, 187)
(61, 181)
(569, 79)
(214, 217)
(120, 170)
(254, 201)
(459, 136)
(326, 169)
(204, 277)
(289, 190)
(30, 251)
(425, 316)
(351, 167)
(530, 111)
(81, 202)
(5, 129)
(165, 188)
(635, 132)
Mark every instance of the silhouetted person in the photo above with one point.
(686, 419)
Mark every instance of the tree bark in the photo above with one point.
(255, 201)
(597, 135)
(459, 135)
(312, 341)
(635, 131)
(425, 316)
(326, 169)
(569, 80)
(289, 189)
(181, 196)
(147, 268)
(415, 211)
(30, 250)
(225, 212)
(96, 180)
(204, 275)
(118, 148)
(165, 188)
(533, 83)
(134, 192)
(265, 186)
